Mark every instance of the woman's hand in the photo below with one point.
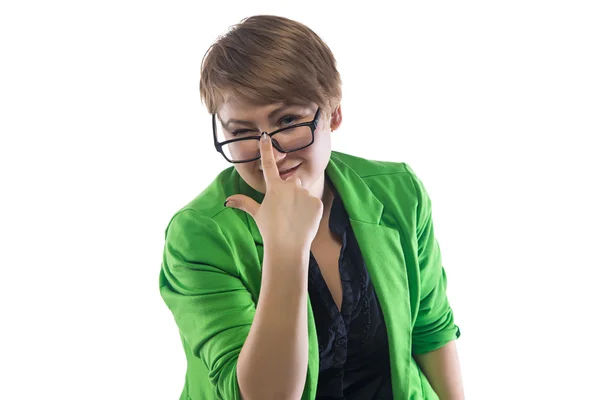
(289, 215)
(274, 359)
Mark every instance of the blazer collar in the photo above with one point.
(359, 201)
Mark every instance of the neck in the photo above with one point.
(327, 198)
(322, 190)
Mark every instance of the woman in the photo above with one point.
(320, 277)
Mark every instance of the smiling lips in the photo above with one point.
(284, 171)
(288, 170)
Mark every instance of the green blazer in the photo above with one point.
(211, 273)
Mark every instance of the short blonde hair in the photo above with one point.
(267, 59)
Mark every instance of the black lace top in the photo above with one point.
(353, 345)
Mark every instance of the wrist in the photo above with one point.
(285, 266)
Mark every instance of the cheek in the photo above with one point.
(252, 176)
(246, 170)
(318, 154)
(322, 143)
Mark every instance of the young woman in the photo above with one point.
(302, 272)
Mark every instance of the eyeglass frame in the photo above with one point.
(219, 145)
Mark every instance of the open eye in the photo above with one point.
(288, 119)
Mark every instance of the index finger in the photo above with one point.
(269, 166)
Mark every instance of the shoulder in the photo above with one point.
(206, 212)
(209, 202)
(367, 167)
(393, 181)
(204, 231)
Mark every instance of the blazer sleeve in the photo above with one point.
(210, 304)
(434, 326)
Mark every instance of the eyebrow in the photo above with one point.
(271, 116)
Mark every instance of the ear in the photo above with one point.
(336, 118)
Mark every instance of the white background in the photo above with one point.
(495, 105)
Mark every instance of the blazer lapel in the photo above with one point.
(382, 252)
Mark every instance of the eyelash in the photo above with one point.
(242, 131)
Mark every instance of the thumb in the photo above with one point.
(243, 203)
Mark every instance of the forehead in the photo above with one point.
(242, 109)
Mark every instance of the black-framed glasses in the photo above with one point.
(291, 138)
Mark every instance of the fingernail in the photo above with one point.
(225, 204)
(264, 137)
